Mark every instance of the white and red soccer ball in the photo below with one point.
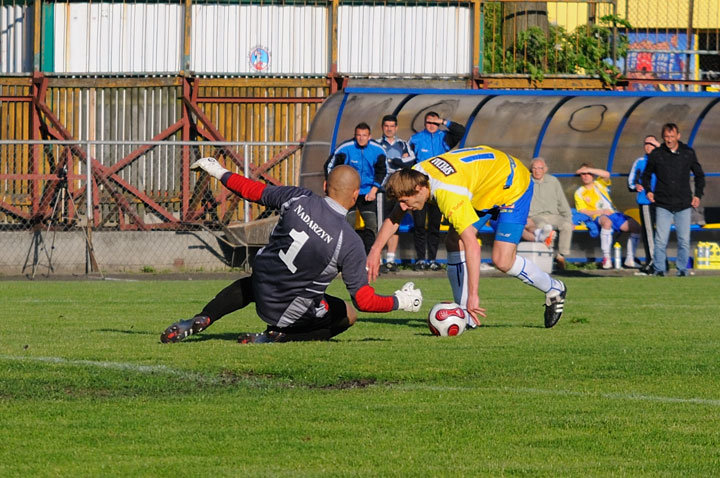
(447, 319)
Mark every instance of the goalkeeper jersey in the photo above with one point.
(466, 181)
(307, 249)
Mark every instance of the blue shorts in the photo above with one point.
(508, 221)
(617, 218)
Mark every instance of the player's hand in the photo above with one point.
(651, 196)
(695, 201)
(409, 298)
(474, 309)
(638, 187)
(372, 265)
(210, 166)
(370, 197)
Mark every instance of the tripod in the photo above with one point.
(39, 243)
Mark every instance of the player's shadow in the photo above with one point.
(229, 336)
(233, 336)
(406, 322)
(128, 331)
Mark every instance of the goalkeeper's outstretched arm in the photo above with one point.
(242, 186)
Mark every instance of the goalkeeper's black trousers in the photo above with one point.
(240, 293)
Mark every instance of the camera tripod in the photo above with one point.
(39, 244)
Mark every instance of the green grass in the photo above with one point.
(626, 384)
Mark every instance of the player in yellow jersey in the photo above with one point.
(472, 186)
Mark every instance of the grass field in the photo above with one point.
(626, 384)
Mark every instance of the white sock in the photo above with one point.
(605, 241)
(456, 273)
(537, 233)
(528, 272)
(632, 245)
(389, 257)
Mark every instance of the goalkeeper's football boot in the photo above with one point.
(184, 329)
(267, 337)
(554, 305)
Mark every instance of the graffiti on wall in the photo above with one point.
(658, 56)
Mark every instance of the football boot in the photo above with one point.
(554, 307)
(184, 328)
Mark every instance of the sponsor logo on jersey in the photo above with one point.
(314, 227)
(443, 166)
(454, 209)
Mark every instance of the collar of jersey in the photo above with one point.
(336, 205)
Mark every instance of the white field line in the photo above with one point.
(566, 393)
(198, 377)
(144, 369)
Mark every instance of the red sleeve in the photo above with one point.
(368, 301)
(244, 187)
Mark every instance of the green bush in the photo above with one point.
(588, 50)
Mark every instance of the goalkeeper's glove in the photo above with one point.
(210, 166)
(409, 298)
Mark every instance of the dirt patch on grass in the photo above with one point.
(350, 384)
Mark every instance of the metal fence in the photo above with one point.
(151, 213)
(646, 40)
(672, 41)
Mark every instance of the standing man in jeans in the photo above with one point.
(671, 163)
(426, 144)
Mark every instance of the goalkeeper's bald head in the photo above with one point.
(343, 185)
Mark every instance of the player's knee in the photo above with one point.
(503, 262)
(452, 241)
(351, 313)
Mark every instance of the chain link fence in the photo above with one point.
(144, 211)
(672, 41)
(646, 41)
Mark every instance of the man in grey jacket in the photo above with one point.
(549, 210)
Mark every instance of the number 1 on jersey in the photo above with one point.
(299, 240)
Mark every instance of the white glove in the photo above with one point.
(210, 166)
(409, 298)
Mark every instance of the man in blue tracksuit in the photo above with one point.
(368, 158)
(426, 144)
(645, 207)
(399, 156)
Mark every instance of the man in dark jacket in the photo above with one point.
(671, 163)
(428, 143)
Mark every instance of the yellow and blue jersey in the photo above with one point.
(597, 196)
(465, 181)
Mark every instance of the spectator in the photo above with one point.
(549, 210)
(472, 186)
(671, 164)
(428, 143)
(399, 156)
(593, 199)
(368, 159)
(645, 207)
(310, 245)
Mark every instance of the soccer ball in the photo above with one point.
(447, 319)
